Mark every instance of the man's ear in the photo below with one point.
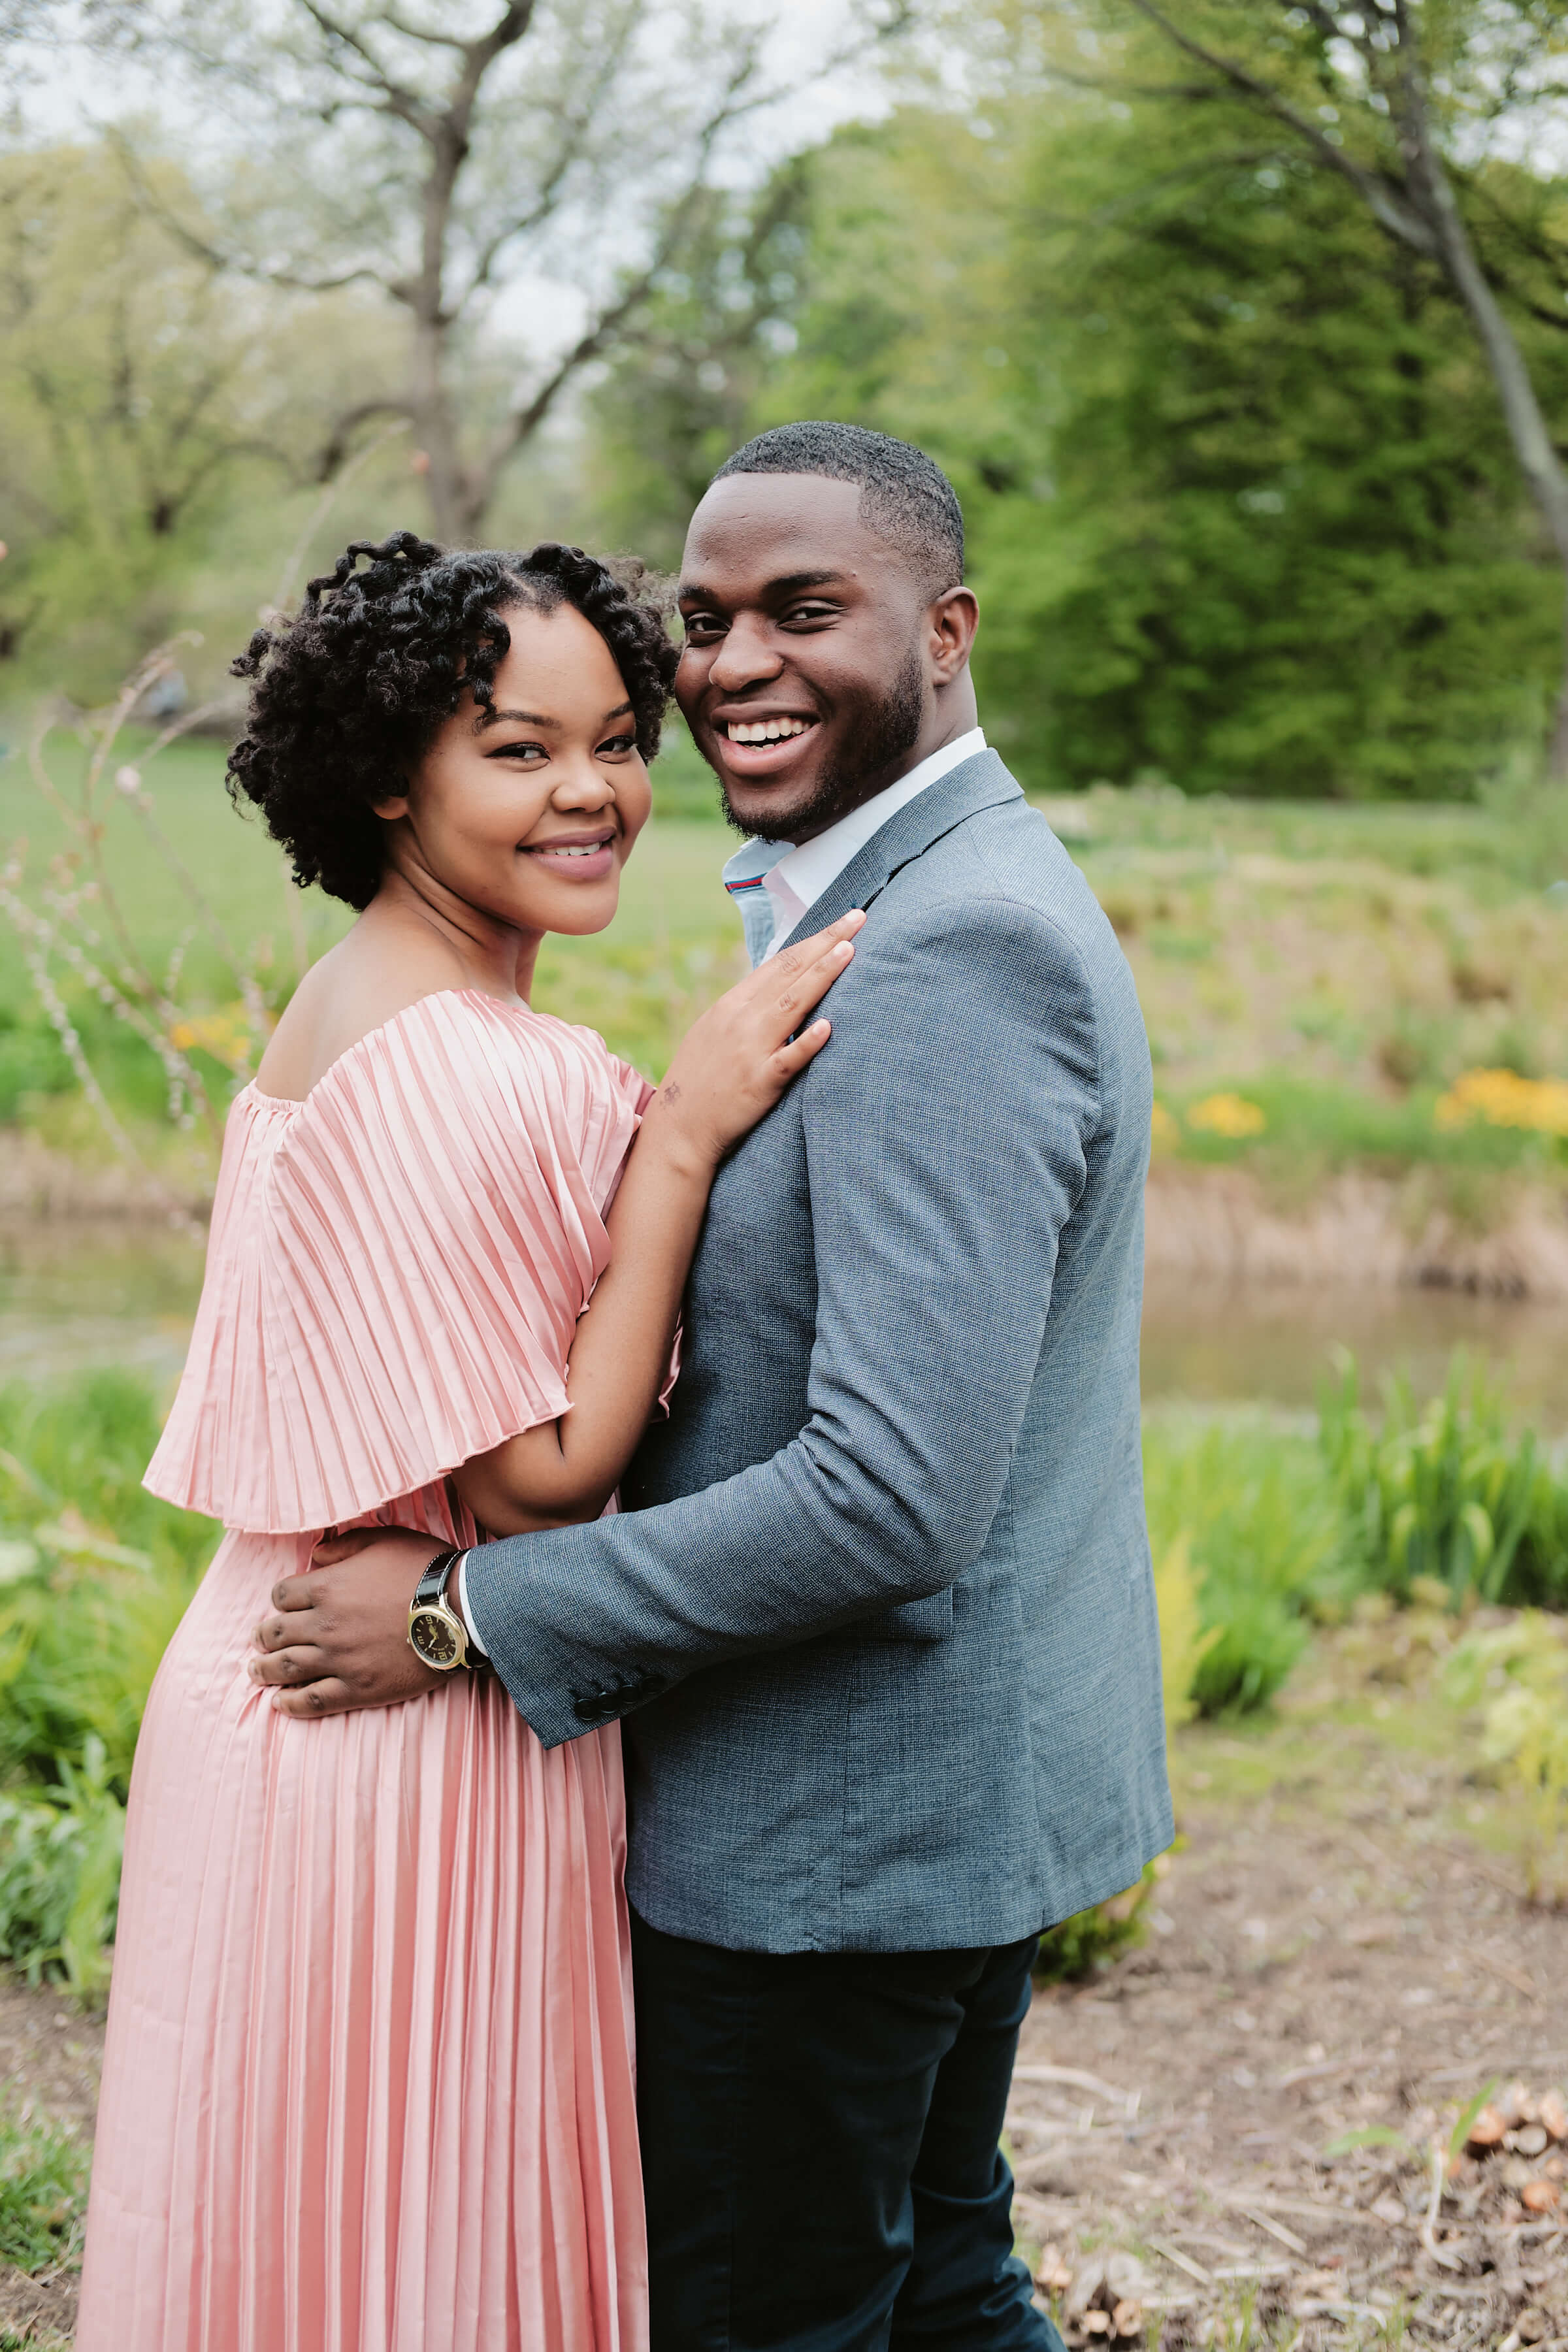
(953, 619)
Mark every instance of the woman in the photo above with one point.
(368, 2083)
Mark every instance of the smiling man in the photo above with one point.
(878, 1613)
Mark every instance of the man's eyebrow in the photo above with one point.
(790, 583)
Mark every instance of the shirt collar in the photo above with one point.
(795, 878)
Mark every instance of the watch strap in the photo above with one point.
(432, 1586)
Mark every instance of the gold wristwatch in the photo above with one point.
(436, 1634)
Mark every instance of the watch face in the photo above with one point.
(433, 1636)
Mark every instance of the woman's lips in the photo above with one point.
(575, 861)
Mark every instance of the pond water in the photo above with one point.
(73, 1298)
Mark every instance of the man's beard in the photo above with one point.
(882, 734)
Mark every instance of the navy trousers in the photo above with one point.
(819, 2145)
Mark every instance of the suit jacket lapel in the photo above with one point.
(979, 783)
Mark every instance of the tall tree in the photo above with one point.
(463, 159)
(1402, 102)
(136, 387)
(1238, 508)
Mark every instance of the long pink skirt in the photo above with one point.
(368, 2084)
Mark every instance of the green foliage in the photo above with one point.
(1518, 1674)
(94, 1575)
(1447, 1491)
(43, 2194)
(662, 422)
(1185, 1640)
(32, 1062)
(162, 426)
(1263, 1530)
(1269, 555)
(59, 1875)
(1091, 1939)
(1241, 510)
(98, 1572)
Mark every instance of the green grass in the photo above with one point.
(1336, 966)
(674, 944)
(43, 2194)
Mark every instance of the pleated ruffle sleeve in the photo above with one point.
(397, 1264)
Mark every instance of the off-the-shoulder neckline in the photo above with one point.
(478, 995)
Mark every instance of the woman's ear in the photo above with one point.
(393, 806)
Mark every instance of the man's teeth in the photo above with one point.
(765, 730)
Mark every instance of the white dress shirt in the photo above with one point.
(774, 884)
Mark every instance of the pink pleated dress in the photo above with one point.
(368, 2084)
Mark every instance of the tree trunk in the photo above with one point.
(1538, 459)
(437, 455)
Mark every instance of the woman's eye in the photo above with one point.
(528, 753)
(617, 745)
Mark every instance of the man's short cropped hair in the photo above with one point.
(905, 497)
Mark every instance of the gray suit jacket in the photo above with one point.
(878, 1612)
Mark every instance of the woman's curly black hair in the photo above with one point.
(348, 693)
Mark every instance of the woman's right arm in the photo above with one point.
(731, 1069)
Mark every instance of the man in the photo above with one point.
(878, 1615)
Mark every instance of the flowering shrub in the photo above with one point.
(1231, 1116)
(1502, 1098)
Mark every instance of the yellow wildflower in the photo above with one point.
(225, 1036)
(1502, 1098)
(1165, 1130)
(1228, 1115)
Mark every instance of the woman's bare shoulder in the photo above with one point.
(375, 973)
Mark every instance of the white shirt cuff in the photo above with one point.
(476, 1639)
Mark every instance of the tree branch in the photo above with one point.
(1389, 208)
(202, 249)
(334, 449)
(400, 23)
(527, 420)
(395, 99)
(577, 126)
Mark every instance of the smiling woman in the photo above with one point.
(368, 2075)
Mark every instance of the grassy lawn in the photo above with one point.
(1315, 977)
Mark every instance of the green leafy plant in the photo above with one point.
(1090, 1939)
(94, 1575)
(1447, 1491)
(1263, 1535)
(59, 1875)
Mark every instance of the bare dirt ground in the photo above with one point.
(49, 2055)
(1340, 1955)
(1339, 1951)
